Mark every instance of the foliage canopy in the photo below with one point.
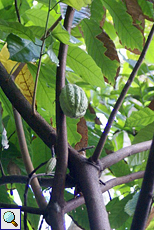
(106, 41)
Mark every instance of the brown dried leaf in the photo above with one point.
(138, 18)
(111, 51)
(151, 105)
(83, 130)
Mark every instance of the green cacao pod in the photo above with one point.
(50, 165)
(73, 101)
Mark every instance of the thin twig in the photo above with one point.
(102, 140)
(41, 53)
(51, 28)
(55, 5)
(38, 167)
(1, 169)
(17, 11)
(29, 179)
(45, 182)
(85, 148)
(39, 63)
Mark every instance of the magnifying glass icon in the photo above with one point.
(9, 217)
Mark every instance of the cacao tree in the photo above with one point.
(88, 153)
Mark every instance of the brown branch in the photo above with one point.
(102, 140)
(87, 178)
(119, 155)
(56, 204)
(24, 150)
(146, 194)
(27, 160)
(45, 180)
(76, 202)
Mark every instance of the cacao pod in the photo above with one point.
(50, 165)
(73, 101)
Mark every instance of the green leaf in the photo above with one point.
(79, 215)
(110, 30)
(97, 10)
(38, 17)
(129, 35)
(8, 12)
(78, 15)
(16, 28)
(144, 134)
(117, 215)
(5, 4)
(83, 64)
(46, 88)
(147, 8)
(131, 205)
(77, 4)
(149, 54)
(120, 169)
(140, 118)
(138, 159)
(41, 153)
(126, 224)
(62, 35)
(52, 55)
(97, 50)
(37, 31)
(10, 154)
(46, 2)
(118, 140)
(73, 135)
(4, 197)
(22, 50)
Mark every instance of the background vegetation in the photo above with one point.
(98, 46)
